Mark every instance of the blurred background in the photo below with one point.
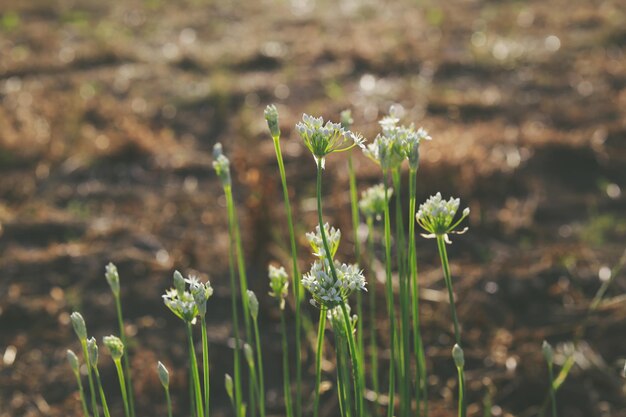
(109, 111)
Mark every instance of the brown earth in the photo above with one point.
(109, 111)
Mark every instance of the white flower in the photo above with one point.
(328, 292)
(337, 321)
(333, 236)
(323, 139)
(279, 283)
(436, 216)
(372, 203)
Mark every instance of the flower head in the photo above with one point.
(185, 304)
(323, 139)
(458, 356)
(253, 303)
(372, 203)
(164, 375)
(333, 236)
(436, 216)
(78, 322)
(113, 278)
(221, 164)
(336, 319)
(200, 292)
(271, 116)
(72, 359)
(279, 283)
(92, 349)
(115, 346)
(328, 293)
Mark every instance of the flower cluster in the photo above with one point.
(323, 139)
(279, 283)
(221, 164)
(372, 203)
(271, 117)
(113, 278)
(115, 346)
(436, 216)
(396, 143)
(333, 236)
(187, 304)
(328, 292)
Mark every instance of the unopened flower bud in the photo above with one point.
(458, 356)
(113, 278)
(92, 349)
(253, 303)
(164, 375)
(548, 352)
(221, 164)
(79, 325)
(179, 283)
(271, 115)
(73, 361)
(249, 355)
(115, 346)
(228, 384)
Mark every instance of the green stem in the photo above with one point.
(372, 305)
(103, 400)
(443, 254)
(194, 372)
(127, 372)
(404, 295)
(318, 361)
(169, 402)
(81, 391)
(205, 365)
(94, 403)
(343, 392)
(259, 358)
(389, 296)
(418, 347)
(356, 365)
(120, 377)
(298, 294)
(462, 407)
(286, 379)
(233, 292)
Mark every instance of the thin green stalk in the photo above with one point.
(390, 304)
(552, 391)
(103, 400)
(318, 361)
(233, 292)
(356, 365)
(192, 395)
(286, 379)
(462, 407)
(261, 376)
(443, 254)
(243, 281)
(298, 294)
(418, 347)
(404, 294)
(169, 402)
(194, 372)
(343, 380)
(94, 404)
(120, 377)
(372, 306)
(205, 365)
(127, 372)
(81, 391)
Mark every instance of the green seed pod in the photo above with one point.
(228, 384)
(548, 352)
(92, 349)
(179, 283)
(115, 346)
(459, 357)
(247, 352)
(79, 325)
(271, 115)
(164, 375)
(73, 361)
(113, 278)
(253, 303)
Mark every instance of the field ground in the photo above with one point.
(109, 111)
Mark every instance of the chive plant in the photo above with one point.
(80, 328)
(75, 365)
(271, 116)
(164, 377)
(116, 349)
(92, 348)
